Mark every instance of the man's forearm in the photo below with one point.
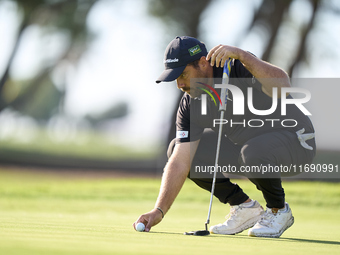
(175, 173)
(173, 179)
(268, 75)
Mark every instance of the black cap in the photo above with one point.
(180, 51)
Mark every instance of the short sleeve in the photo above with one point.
(185, 130)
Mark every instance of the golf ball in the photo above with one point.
(140, 227)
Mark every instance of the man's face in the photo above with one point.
(183, 81)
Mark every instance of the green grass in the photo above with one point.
(44, 213)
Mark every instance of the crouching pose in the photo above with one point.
(249, 140)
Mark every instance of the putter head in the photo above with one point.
(198, 233)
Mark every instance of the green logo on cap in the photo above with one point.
(194, 50)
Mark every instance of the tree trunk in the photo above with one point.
(275, 22)
(5, 75)
(302, 47)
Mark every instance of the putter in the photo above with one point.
(222, 109)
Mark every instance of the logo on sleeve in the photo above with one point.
(182, 134)
(194, 50)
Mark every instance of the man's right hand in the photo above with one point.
(149, 219)
(174, 175)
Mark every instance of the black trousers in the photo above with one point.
(274, 149)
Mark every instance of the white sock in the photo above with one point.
(248, 204)
(285, 209)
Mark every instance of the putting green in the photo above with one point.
(44, 213)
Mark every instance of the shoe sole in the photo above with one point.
(250, 223)
(275, 235)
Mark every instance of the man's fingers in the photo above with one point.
(220, 59)
(149, 219)
(147, 223)
(148, 227)
(217, 54)
(140, 219)
(213, 60)
(212, 51)
(220, 53)
(224, 59)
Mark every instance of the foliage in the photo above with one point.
(181, 15)
(270, 17)
(67, 17)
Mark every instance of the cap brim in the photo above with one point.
(170, 74)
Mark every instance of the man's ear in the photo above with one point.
(203, 63)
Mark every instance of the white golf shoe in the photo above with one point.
(239, 219)
(273, 224)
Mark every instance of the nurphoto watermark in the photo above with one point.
(293, 111)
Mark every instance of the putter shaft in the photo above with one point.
(222, 109)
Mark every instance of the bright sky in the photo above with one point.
(126, 57)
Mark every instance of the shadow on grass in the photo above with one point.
(182, 234)
(165, 233)
(309, 241)
(281, 239)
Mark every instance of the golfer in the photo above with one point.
(249, 141)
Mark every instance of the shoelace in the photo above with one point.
(267, 218)
(233, 212)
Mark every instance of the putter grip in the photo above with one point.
(225, 80)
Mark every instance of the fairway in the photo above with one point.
(47, 213)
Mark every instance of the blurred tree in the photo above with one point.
(119, 110)
(184, 17)
(39, 102)
(68, 17)
(179, 15)
(301, 52)
(271, 16)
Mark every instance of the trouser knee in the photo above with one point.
(249, 156)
